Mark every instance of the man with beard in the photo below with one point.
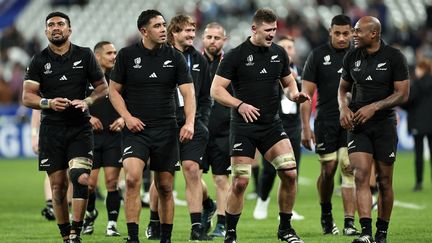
(257, 68)
(378, 75)
(322, 72)
(142, 89)
(106, 125)
(56, 82)
(217, 151)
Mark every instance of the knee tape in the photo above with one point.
(77, 167)
(284, 162)
(346, 170)
(241, 170)
(325, 158)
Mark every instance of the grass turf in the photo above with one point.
(22, 199)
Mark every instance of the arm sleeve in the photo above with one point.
(309, 70)
(204, 101)
(227, 66)
(285, 63)
(346, 74)
(119, 72)
(33, 71)
(94, 71)
(399, 67)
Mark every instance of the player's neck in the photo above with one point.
(60, 50)
(374, 47)
(210, 56)
(148, 44)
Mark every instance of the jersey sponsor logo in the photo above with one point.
(90, 152)
(380, 66)
(63, 78)
(392, 155)
(357, 66)
(263, 71)
(195, 67)
(167, 64)
(153, 75)
(229, 168)
(283, 134)
(369, 78)
(47, 67)
(75, 64)
(177, 164)
(319, 147)
(350, 143)
(249, 60)
(274, 58)
(340, 70)
(137, 62)
(327, 60)
(236, 147)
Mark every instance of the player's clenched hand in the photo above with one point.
(117, 125)
(59, 104)
(300, 97)
(134, 124)
(364, 113)
(248, 112)
(96, 124)
(307, 138)
(346, 118)
(186, 132)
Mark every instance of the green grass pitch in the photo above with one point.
(22, 199)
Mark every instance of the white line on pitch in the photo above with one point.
(408, 205)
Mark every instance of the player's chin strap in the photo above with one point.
(284, 162)
(77, 167)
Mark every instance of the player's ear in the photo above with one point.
(254, 28)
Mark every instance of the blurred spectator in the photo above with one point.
(5, 92)
(419, 115)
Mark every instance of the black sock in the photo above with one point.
(326, 209)
(382, 225)
(154, 217)
(231, 221)
(208, 203)
(195, 219)
(49, 203)
(132, 231)
(77, 227)
(285, 221)
(91, 204)
(366, 224)
(64, 229)
(221, 219)
(255, 174)
(348, 221)
(113, 205)
(166, 230)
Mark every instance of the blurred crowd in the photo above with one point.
(415, 42)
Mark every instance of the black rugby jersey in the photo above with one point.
(65, 76)
(373, 76)
(324, 68)
(103, 109)
(149, 79)
(255, 73)
(199, 70)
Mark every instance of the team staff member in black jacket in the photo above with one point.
(257, 68)
(148, 73)
(378, 75)
(106, 125)
(322, 71)
(217, 151)
(56, 82)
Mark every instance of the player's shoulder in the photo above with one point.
(80, 49)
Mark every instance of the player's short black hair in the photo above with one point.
(145, 17)
(58, 14)
(100, 44)
(264, 15)
(341, 20)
